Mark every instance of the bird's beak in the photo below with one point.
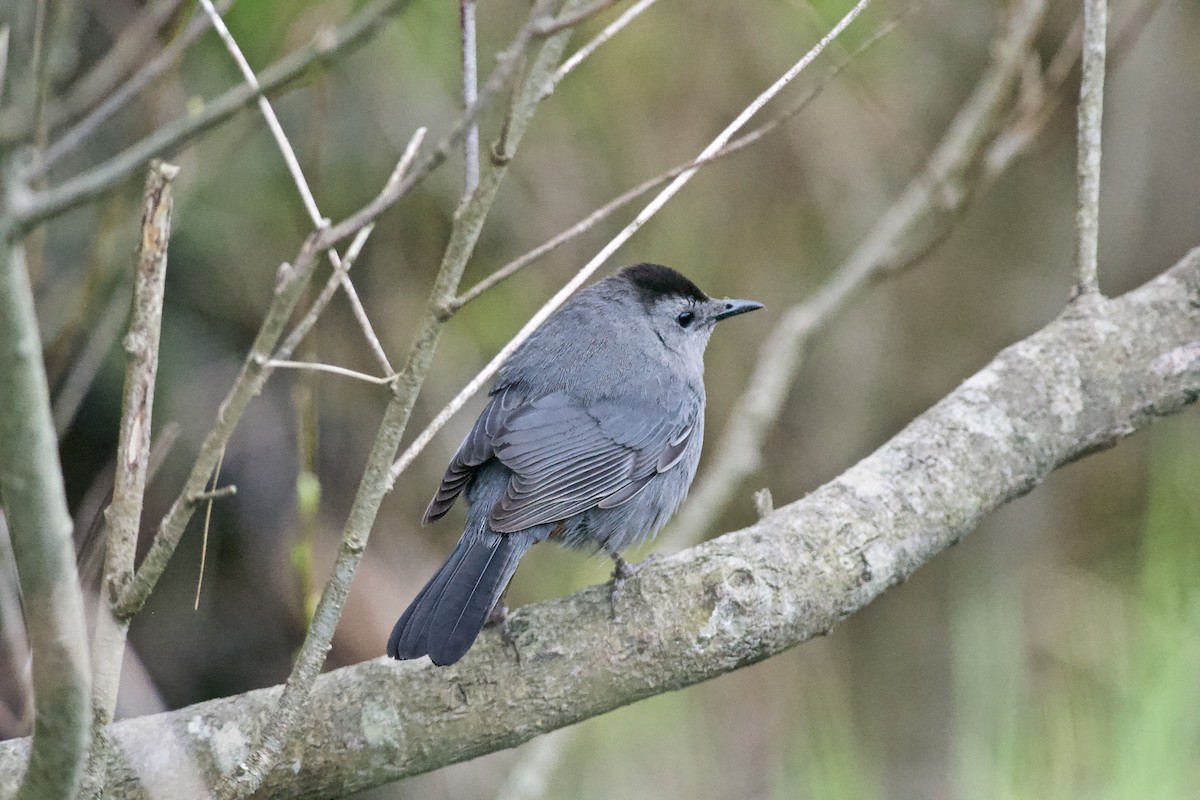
(731, 308)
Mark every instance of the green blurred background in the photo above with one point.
(1055, 653)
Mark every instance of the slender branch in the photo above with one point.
(218, 493)
(566, 21)
(310, 317)
(95, 91)
(314, 366)
(290, 284)
(628, 196)
(39, 76)
(293, 165)
(610, 30)
(124, 514)
(1082, 383)
(35, 507)
(98, 343)
(917, 221)
(327, 47)
(651, 208)
(468, 223)
(5, 32)
(470, 93)
(1087, 165)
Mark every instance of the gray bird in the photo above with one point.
(591, 438)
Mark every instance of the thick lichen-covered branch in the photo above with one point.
(1081, 383)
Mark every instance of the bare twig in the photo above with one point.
(306, 195)
(35, 507)
(290, 284)
(727, 603)
(917, 221)
(332, 369)
(5, 31)
(575, 18)
(99, 342)
(310, 317)
(123, 516)
(38, 75)
(651, 208)
(327, 47)
(628, 196)
(1087, 164)
(470, 93)
(95, 90)
(207, 497)
(610, 30)
(229, 490)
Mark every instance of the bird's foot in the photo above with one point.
(498, 618)
(622, 571)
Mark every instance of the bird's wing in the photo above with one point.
(477, 448)
(568, 457)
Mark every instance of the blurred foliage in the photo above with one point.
(1052, 654)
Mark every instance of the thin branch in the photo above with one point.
(105, 331)
(314, 366)
(39, 74)
(310, 317)
(35, 507)
(124, 514)
(374, 484)
(470, 93)
(327, 47)
(290, 284)
(917, 221)
(1069, 389)
(610, 30)
(5, 32)
(219, 493)
(562, 23)
(628, 196)
(1087, 165)
(293, 165)
(651, 208)
(95, 90)
(196, 499)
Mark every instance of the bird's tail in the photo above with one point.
(449, 612)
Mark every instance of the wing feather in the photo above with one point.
(568, 457)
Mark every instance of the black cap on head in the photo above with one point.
(654, 282)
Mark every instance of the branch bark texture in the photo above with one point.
(35, 508)
(1080, 384)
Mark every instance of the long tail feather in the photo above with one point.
(447, 615)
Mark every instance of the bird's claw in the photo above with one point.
(498, 618)
(622, 571)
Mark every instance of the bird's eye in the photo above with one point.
(685, 318)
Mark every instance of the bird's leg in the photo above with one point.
(498, 618)
(623, 570)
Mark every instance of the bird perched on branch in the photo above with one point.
(591, 438)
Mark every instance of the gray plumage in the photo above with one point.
(591, 436)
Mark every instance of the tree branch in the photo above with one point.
(124, 514)
(468, 223)
(306, 195)
(38, 206)
(1087, 165)
(916, 222)
(1080, 384)
(35, 507)
(649, 210)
